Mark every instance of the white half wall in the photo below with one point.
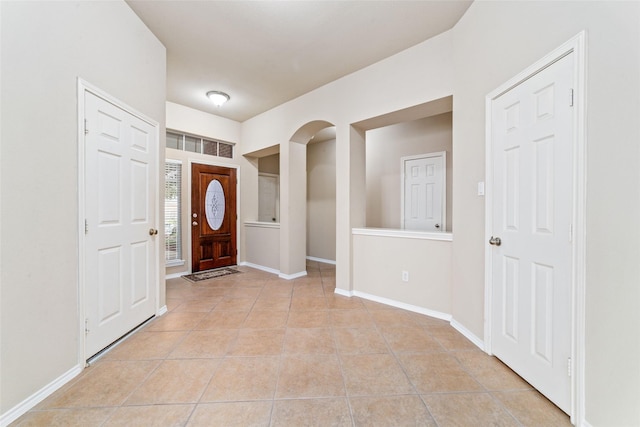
(380, 257)
(263, 244)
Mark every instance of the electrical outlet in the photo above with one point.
(405, 276)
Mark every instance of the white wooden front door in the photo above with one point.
(424, 192)
(120, 229)
(531, 304)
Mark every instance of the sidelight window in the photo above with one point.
(172, 205)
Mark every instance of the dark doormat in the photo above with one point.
(210, 274)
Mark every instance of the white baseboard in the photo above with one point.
(292, 276)
(402, 305)
(175, 275)
(274, 271)
(162, 310)
(260, 267)
(468, 334)
(23, 407)
(343, 292)
(416, 309)
(322, 260)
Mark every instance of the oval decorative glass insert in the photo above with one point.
(214, 203)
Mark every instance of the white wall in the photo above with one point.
(196, 122)
(321, 200)
(493, 42)
(46, 46)
(199, 123)
(376, 90)
(385, 147)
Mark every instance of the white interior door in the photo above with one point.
(120, 230)
(531, 304)
(424, 192)
(268, 200)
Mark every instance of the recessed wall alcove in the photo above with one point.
(405, 268)
(281, 242)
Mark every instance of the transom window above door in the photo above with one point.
(197, 144)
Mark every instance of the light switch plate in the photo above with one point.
(481, 188)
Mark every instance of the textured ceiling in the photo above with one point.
(264, 53)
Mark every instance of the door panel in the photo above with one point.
(532, 212)
(424, 192)
(120, 195)
(213, 204)
(268, 198)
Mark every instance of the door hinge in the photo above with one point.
(86, 131)
(86, 326)
(86, 227)
(570, 233)
(569, 367)
(570, 97)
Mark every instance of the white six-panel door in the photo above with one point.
(268, 198)
(424, 192)
(120, 230)
(531, 133)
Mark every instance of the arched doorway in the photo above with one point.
(293, 199)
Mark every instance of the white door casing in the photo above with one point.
(120, 240)
(423, 193)
(535, 205)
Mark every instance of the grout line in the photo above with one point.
(322, 279)
(342, 374)
(111, 414)
(275, 389)
(395, 356)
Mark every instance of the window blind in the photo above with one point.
(172, 201)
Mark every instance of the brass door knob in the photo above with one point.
(495, 241)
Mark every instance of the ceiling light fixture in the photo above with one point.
(218, 98)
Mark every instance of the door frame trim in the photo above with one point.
(191, 161)
(578, 46)
(403, 160)
(82, 87)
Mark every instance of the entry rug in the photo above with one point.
(210, 274)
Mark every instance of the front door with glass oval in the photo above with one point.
(213, 217)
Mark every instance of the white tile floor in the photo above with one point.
(251, 349)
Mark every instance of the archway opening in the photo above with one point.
(293, 199)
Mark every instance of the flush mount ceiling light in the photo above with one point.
(218, 98)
